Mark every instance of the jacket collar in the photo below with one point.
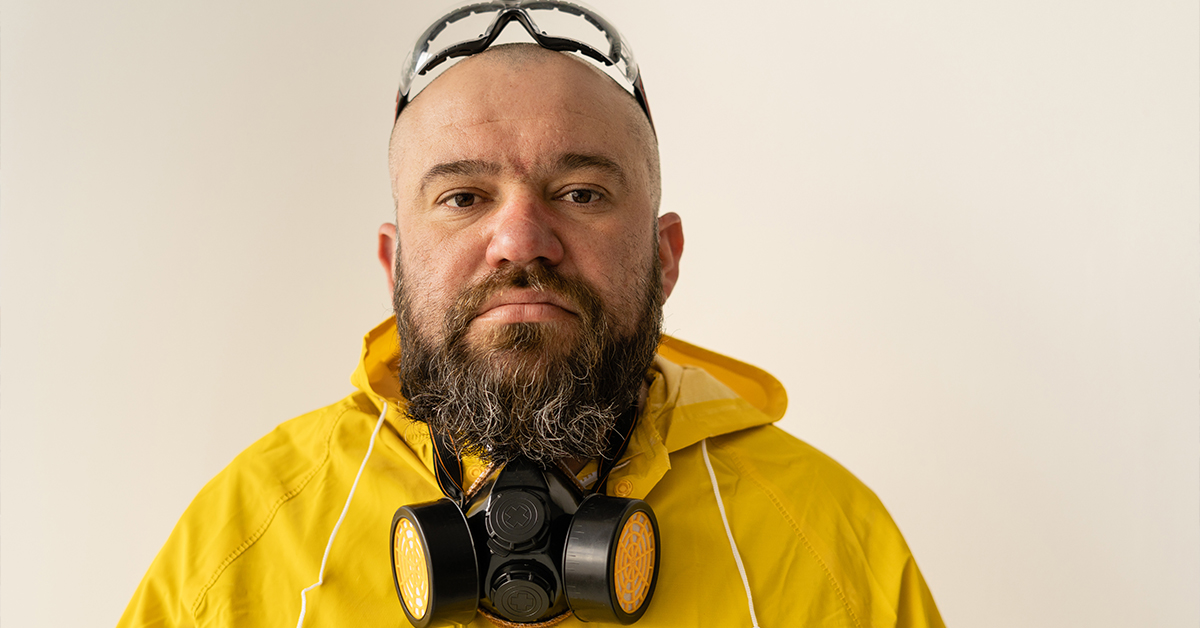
(694, 394)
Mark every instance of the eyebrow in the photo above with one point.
(590, 161)
(566, 162)
(460, 168)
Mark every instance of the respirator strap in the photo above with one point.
(618, 442)
(447, 467)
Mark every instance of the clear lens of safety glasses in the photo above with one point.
(553, 24)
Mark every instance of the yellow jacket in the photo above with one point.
(818, 547)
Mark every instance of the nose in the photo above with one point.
(523, 233)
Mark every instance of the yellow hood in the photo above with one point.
(818, 547)
(695, 394)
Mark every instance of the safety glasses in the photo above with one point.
(473, 27)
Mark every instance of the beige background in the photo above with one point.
(964, 235)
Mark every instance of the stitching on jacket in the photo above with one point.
(262, 529)
(752, 475)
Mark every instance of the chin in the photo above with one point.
(525, 341)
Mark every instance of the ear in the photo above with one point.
(387, 253)
(670, 249)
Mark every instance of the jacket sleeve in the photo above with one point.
(159, 601)
(916, 608)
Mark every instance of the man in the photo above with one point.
(529, 266)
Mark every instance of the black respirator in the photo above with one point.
(525, 544)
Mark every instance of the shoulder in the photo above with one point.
(798, 473)
(838, 531)
(243, 498)
(291, 451)
(235, 510)
(820, 500)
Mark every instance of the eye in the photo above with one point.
(582, 196)
(461, 200)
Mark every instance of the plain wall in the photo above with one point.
(965, 236)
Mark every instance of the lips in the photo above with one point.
(524, 304)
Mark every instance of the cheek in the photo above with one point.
(434, 271)
(421, 282)
(622, 272)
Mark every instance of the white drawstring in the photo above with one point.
(353, 487)
(737, 557)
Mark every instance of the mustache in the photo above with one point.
(517, 393)
(536, 276)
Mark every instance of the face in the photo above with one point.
(525, 217)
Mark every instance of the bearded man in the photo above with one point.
(529, 265)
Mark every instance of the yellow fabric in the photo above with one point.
(818, 546)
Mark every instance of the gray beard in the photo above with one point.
(518, 394)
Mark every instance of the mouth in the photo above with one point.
(525, 305)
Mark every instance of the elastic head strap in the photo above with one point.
(618, 442)
(447, 466)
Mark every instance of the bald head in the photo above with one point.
(523, 79)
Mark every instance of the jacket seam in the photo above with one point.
(274, 508)
(752, 475)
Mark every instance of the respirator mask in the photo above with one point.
(525, 544)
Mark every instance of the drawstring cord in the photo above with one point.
(737, 557)
(346, 508)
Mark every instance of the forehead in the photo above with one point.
(519, 112)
